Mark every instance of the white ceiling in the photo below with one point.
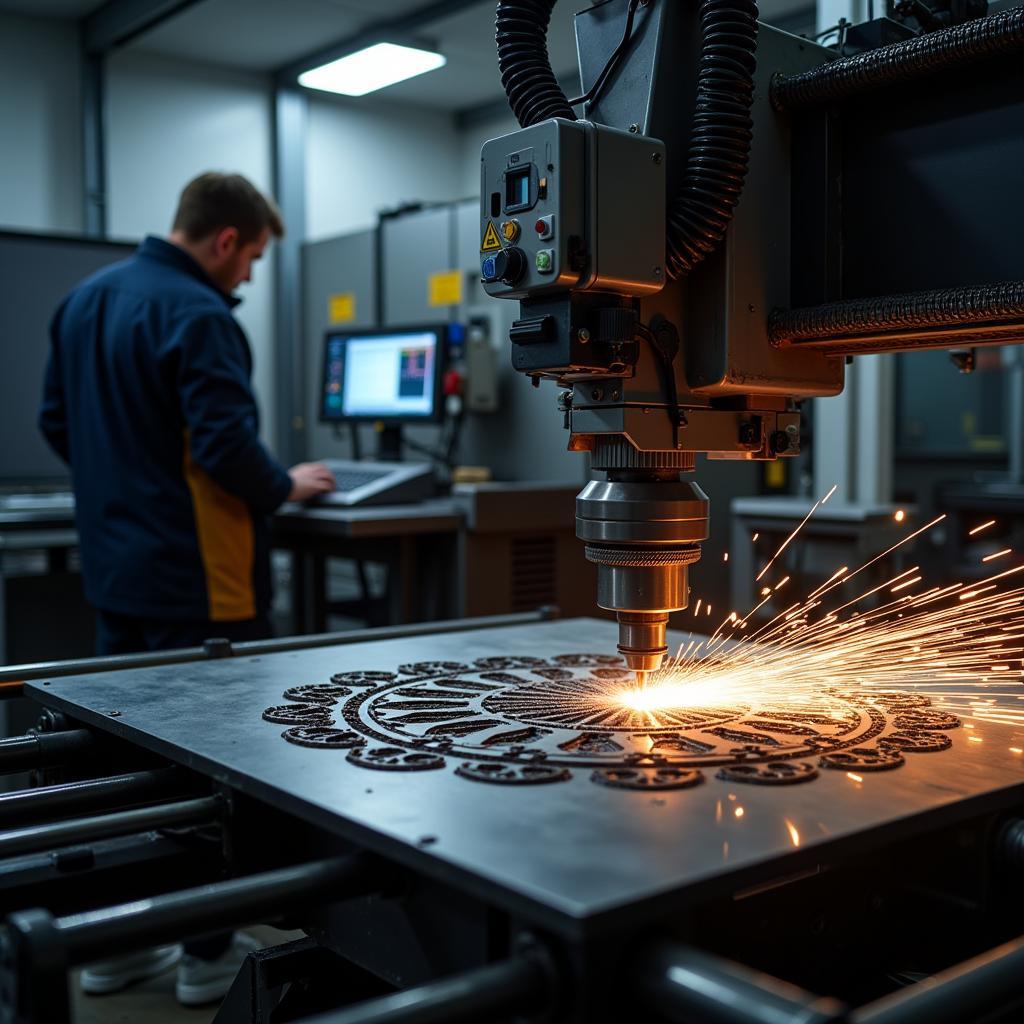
(263, 35)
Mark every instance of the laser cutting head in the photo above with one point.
(643, 530)
(603, 238)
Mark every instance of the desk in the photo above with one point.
(418, 543)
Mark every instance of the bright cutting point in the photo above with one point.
(372, 68)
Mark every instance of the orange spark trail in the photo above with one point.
(785, 543)
(957, 645)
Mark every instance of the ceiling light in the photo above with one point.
(371, 69)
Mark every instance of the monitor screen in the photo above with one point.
(389, 374)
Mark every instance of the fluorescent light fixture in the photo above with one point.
(371, 69)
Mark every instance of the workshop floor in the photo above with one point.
(153, 1001)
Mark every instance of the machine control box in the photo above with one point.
(542, 189)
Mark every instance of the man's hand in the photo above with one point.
(310, 479)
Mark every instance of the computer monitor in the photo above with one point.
(391, 374)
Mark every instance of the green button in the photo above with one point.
(545, 261)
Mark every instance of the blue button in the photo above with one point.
(489, 270)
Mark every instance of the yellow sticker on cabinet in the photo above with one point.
(775, 473)
(341, 308)
(445, 288)
(491, 242)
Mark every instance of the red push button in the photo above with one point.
(545, 227)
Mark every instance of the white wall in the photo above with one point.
(168, 121)
(40, 126)
(364, 157)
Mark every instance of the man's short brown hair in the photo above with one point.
(214, 201)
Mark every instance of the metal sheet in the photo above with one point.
(569, 854)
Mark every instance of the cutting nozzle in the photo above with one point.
(643, 536)
(642, 641)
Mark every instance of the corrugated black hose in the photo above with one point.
(521, 31)
(719, 155)
(907, 61)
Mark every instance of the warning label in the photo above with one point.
(491, 240)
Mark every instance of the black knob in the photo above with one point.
(510, 265)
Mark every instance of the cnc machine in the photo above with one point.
(689, 273)
(466, 819)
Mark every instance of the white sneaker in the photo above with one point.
(108, 976)
(204, 981)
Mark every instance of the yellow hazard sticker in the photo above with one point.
(444, 288)
(341, 308)
(491, 240)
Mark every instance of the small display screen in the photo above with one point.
(380, 376)
(517, 188)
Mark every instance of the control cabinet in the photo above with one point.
(541, 190)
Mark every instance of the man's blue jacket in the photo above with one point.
(148, 398)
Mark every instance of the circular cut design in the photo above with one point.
(863, 759)
(299, 714)
(501, 662)
(363, 678)
(513, 774)
(394, 759)
(927, 720)
(636, 778)
(774, 773)
(317, 693)
(917, 742)
(323, 736)
(431, 668)
(519, 719)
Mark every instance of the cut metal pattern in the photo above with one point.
(513, 774)
(299, 714)
(317, 693)
(638, 778)
(521, 720)
(394, 759)
(775, 773)
(323, 736)
(863, 759)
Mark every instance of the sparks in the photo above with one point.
(950, 643)
(997, 554)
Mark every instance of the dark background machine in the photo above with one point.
(690, 273)
(452, 813)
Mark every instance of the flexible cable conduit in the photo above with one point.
(852, 325)
(719, 155)
(907, 61)
(521, 32)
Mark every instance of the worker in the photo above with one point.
(148, 399)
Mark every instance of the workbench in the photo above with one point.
(417, 543)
